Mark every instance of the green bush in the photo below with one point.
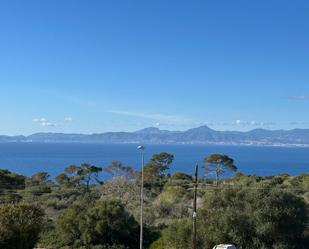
(250, 219)
(20, 225)
(106, 223)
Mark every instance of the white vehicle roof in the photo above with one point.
(223, 246)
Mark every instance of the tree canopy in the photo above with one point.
(155, 171)
(79, 175)
(217, 164)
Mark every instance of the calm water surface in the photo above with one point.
(29, 158)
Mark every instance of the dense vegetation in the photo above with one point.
(79, 210)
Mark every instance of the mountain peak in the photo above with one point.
(201, 128)
(152, 130)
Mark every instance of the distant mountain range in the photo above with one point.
(200, 135)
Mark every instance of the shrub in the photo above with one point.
(20, 225)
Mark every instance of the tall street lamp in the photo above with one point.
(142, 149)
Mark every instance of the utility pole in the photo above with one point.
(194, 207)
(142, 148)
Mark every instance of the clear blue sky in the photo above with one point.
(96, 66)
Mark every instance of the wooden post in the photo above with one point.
(194, 208)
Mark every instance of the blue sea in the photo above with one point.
(29, 158)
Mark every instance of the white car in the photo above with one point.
(222, 246)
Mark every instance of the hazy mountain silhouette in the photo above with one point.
(153, 135)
